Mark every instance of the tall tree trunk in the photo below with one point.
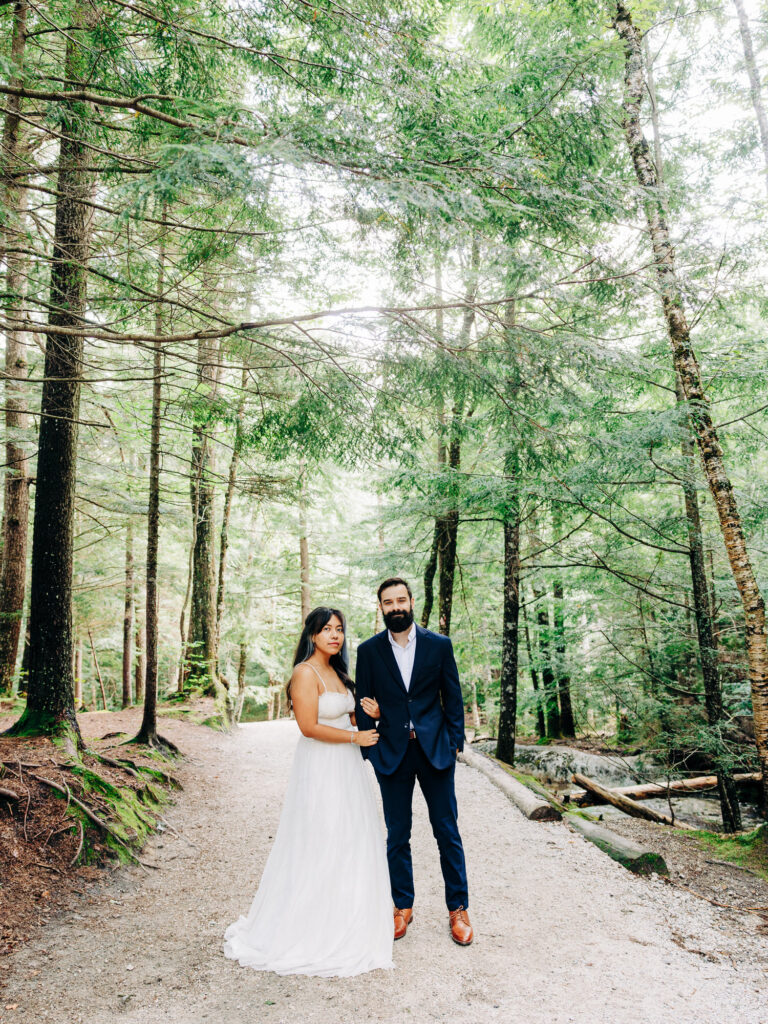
(202, 622)
(541, 728)
(306, 583)
(563, 679)
(505, 747)
(431, 567)
(729, 800)
(242, 665)
(128, 617)
(755, 90)
(16, 478)
(147, 652)
(79, 674)
(551, 704)
(429, 575)
(229, 495)
(687, 368)
(50, 705)
(450, 526)
(140, 673)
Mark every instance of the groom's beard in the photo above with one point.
(398, 622)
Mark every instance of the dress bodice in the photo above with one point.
(335, 708)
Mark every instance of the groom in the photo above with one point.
(411, 673)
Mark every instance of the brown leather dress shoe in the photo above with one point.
(461, 929)
(402, 919)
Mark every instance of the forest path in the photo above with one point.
(562, 933)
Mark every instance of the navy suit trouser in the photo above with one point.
(437, 785)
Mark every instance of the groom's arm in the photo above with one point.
(363, 688)
(453, 701)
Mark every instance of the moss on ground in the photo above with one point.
(747, 849)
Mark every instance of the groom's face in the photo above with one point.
(396, 607)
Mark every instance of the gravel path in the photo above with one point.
(563, 933)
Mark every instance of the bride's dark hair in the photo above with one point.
(313, 624)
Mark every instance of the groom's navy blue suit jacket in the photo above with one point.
(433, 701)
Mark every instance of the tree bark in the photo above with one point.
(128, 617)
(140, 674)
(242, 665)
(541, 728)
(505, 748)
(98, 671)
(726, 788)
(551, 704)
(79, 674)
(201, 653)
(449, 528)
(687, 367)
(50, 705)
(449, 532)
(755, 91)
(229, 495)
(147, 652)
(431, 567)
(16, 478)
(563, 680)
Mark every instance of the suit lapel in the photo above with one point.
(389, 659)
(422, 649)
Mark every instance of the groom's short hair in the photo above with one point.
(393, 581)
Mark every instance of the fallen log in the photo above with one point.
(626, 805)
(633, 857)
(530, 803)
(651, 790)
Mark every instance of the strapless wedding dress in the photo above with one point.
(323, 906)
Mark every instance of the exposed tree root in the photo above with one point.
(156, 742)
(92, 816)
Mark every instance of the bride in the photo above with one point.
(323, 906)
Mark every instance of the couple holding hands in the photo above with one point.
(325, 903)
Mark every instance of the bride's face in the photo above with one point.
(330, 638)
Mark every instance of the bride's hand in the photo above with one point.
(366, 738)
(371, 708)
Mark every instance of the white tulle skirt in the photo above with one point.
(323, 906)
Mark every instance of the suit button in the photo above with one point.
(410, 700)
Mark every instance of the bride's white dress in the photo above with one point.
(323, 906)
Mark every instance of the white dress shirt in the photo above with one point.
(404, 657)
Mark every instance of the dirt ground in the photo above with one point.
(563, 933)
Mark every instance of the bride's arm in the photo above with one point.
(304, 697)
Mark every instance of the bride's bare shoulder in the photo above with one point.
(303, 677)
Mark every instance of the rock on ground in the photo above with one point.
(563, 933)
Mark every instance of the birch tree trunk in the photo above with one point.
(687, 367)
(50, 705)
(16, 478)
